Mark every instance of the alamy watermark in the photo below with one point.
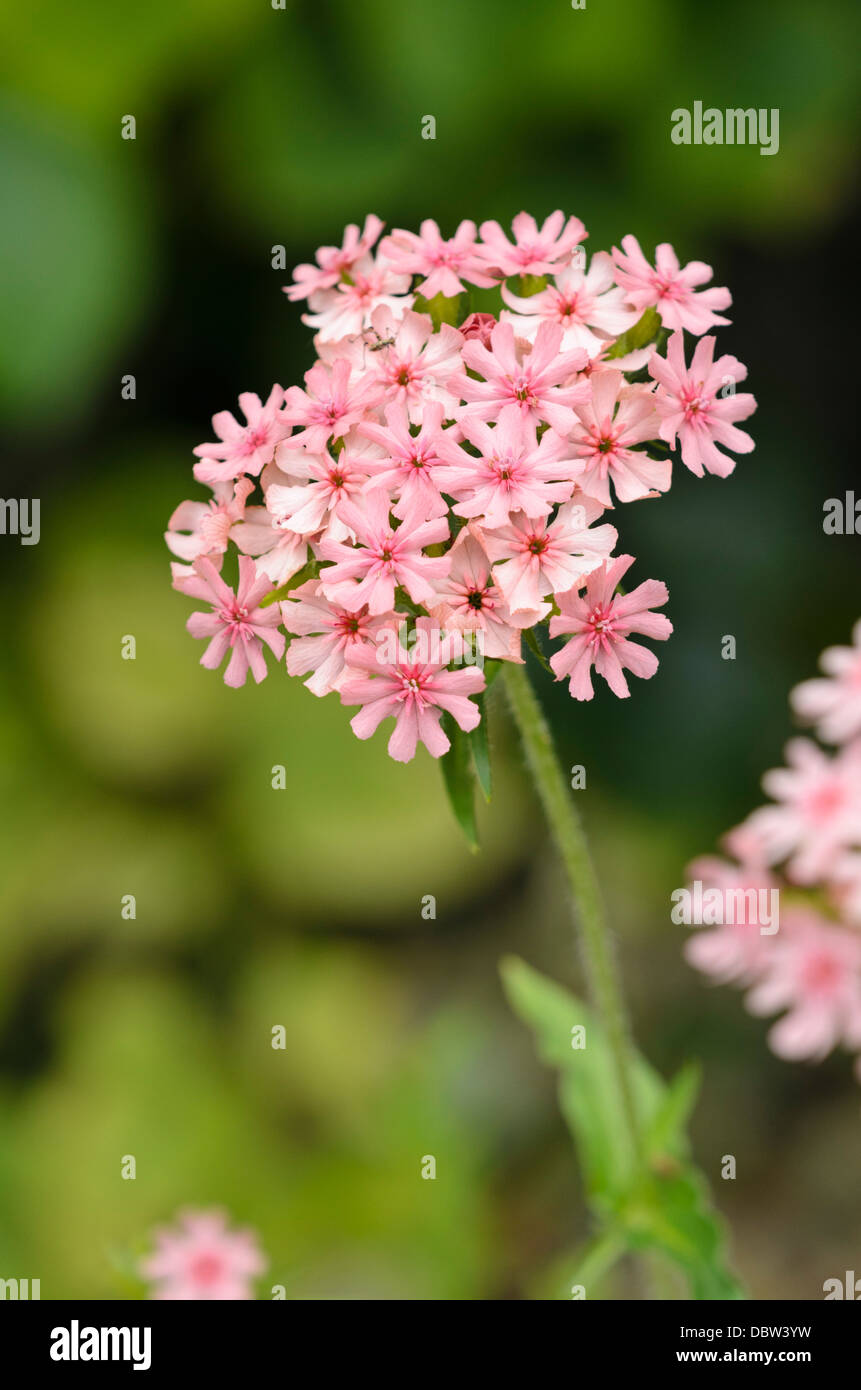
(719, 907)
(735, 126)
(19, 516)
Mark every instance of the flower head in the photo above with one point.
(200, 1258)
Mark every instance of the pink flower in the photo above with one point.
(415, 692)
(535, 558)
(236, 623)
(527, 384)
(844, 886)
(200, 1259)
(513, 471)
(534, 251)
(327, 636)
(280, 551)
(208, 523)
(468, 600)
(834, 701)
(602, 625)
(334, 261)
(441, 262)
(587, 305)
(410, 462)
(670, 289)
(818, 810)
(478, 326)
(417, 366)
(814, 972)
(691, 407)
(243, 448)
(349, 307)
(314, 505)
(733, 950)
(615, 418)
(385, 557)
(332, 403)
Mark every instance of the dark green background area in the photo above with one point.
(255, 128)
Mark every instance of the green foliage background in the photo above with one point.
(258, 127)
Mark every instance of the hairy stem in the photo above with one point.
(595, 941)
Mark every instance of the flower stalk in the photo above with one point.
(595, 941)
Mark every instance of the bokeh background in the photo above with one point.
(258, 127)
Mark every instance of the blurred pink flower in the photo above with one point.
(199, 1258)
(833, 702)
(813, 971)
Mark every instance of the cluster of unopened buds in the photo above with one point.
(803, 851)
(437, 488)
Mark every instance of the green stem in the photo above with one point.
(595, 941)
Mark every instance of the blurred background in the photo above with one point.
(259, 127)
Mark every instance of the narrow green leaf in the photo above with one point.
(459, 779)
(532, 644)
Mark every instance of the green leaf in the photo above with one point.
(532, 644)
(481, 750)
(644, 331)
(309, 571)
(660, 1204)
(527, 285)
(441, 309)
(459, 778)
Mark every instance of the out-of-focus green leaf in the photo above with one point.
(660, 1202)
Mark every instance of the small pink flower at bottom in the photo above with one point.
(201, 1259)
(814, 973)
(236, 623)
(414, 690)
(602, 624)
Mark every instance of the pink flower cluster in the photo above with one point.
(201, 1259)
(432, 479)
(807, 844)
